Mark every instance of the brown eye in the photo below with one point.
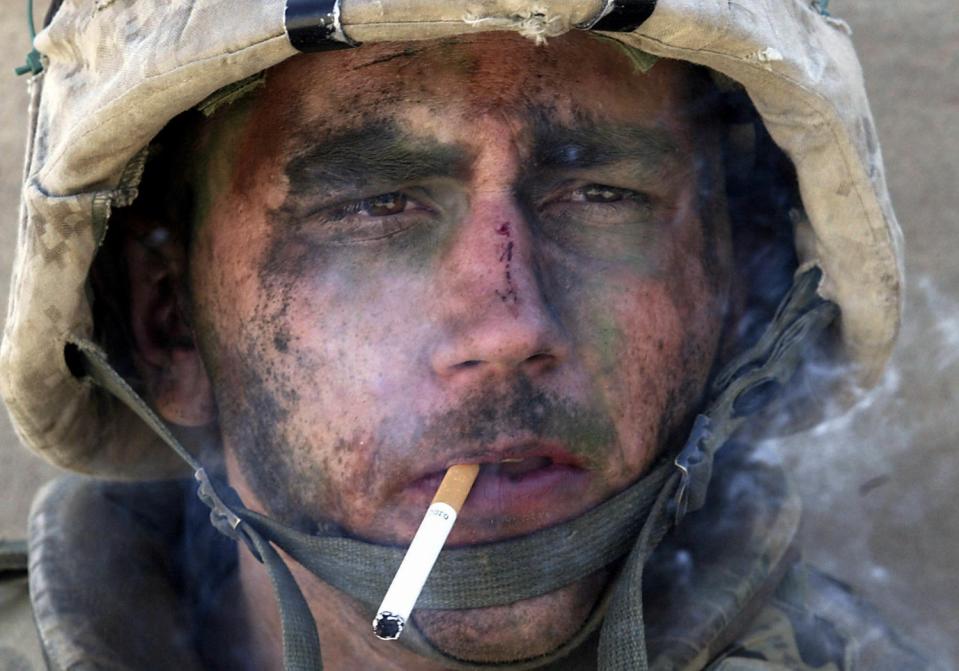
(384, 205)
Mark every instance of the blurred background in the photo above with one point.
(879, 483)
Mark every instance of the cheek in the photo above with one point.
(649, 343)
(347, 322)
(633, 345)
(346, 335)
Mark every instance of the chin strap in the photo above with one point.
(741, 389)
(539, 563)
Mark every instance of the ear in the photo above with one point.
(166, 354)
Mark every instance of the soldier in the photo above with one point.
(320, 252)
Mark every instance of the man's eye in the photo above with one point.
(375, 218)
(383, 205)
(600, 193)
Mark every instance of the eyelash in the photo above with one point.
(357, 206)
(339, 219)
(604, 191)
(621, 202)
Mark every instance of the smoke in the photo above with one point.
(877, 481)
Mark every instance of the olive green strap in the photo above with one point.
(741, 389)
(301, 643)
(498, 573)
(750, 381)
(97, 368)
(509, 571)
(622, 640)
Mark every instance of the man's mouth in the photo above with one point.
(517, 491)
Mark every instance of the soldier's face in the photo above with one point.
(479, 250)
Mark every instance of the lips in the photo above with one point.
(521, 487)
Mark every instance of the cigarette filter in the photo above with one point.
(423, 552)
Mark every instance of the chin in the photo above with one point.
(518, 631)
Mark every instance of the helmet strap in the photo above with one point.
(508, 571)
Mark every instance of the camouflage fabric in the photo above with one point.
(815, 622)
(117, 72)
(19, 643)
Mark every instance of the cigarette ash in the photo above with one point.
(388, 626)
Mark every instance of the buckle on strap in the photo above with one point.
(749, 382)
(221, 517)
(695, 464)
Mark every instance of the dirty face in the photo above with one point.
(411, 256)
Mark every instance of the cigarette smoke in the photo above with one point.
(877, 480)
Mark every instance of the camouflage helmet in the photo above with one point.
(114, 74)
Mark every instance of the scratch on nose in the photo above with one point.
(509, 295)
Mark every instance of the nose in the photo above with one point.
(497, 316)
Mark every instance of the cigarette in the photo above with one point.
(424, 550)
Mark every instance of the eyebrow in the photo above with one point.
(381, 153)
(375, 153)
(586, 145)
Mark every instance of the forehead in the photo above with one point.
(448, 86)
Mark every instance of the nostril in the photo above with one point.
(472, 363)
(538, 357)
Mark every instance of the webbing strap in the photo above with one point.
(740, 389)
(499, 573)
(301, 643)
(750, 381)
(509, 571)
(98, 369)
(622, 640)
(504, 572)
